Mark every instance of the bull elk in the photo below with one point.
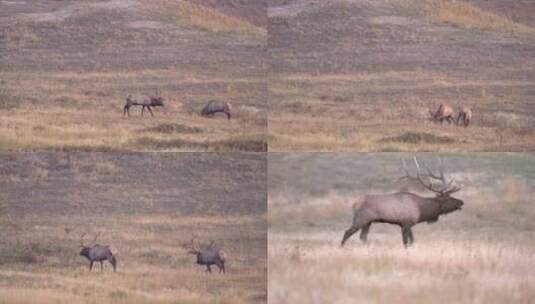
(465, 116)
(405, 209)
(444, 112)
(213, 107)
(208, 256)
(97, 253)
(145, 101)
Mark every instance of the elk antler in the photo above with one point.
(405, 170)
(191, 246)
(96, 236)
(82, 240)
(446, 188)
(419, 178)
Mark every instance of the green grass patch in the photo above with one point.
(170, 128)
(249, 145)
(419, 138)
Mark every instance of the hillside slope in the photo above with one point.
(145, 206)
(363, 75)
(66, 68)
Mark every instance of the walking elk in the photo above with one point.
(97, 253)
(208, 256)
(405, 209)
(145, 101)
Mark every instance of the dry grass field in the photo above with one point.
(481, 254)
(363, 75)
(66, 68)
(144, 206)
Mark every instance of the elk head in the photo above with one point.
(442, 190)
(157, 99)
(86, 249)
(193, 248)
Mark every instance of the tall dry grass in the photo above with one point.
(83, 111)
(459, 268)
(480, 254)
(39, 263)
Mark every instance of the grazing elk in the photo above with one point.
(214, 106)
(444, 112)
(210, 255)
(465, 116)
(145, 101)
(405, 209)
(97, 253)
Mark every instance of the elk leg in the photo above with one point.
(151, 114)
(142, 109)
(228, 115)
(349, 232)
(113, 262)
(221, 267)
(101, 266)
(126, 110)
(411, 236)
(90, 265)
(405, 233)
(404, 236)
(208, 268)
(364, 232)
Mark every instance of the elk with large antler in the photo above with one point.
(209, 255)
(97, 253)
(405, 209)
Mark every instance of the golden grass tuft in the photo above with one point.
(342, 112)
(459, 270)
(480, 254)
(188, 14)
(468, 16)
(87, 115)
(159, 271)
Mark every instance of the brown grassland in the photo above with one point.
(480, 254)
(66, 68)
(363, 75)
(144, 206)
